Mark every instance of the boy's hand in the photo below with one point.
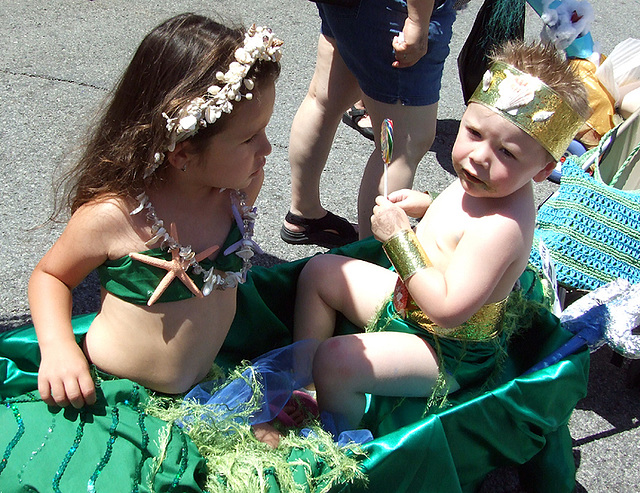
(388, 218)
(64, 378)
(414, 203)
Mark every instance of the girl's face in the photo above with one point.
(493, 157)
(236, 156)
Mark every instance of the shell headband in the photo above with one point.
(259, 44)
(530, 104)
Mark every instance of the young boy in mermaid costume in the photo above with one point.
(452, 277)
(174, 164)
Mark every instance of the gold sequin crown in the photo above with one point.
(530, 104)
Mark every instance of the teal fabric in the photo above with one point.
(591, 229)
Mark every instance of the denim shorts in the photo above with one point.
(363, 35)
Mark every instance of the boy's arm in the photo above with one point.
(64, 376)
(414, 203)
(484, 262)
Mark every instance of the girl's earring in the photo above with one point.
(184, 167)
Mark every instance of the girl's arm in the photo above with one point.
(64, 376)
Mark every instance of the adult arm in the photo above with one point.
(413, 42)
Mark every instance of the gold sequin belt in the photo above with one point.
(484, 325)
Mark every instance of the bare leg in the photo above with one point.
(333, 89)
(267, 433)
(414, 129)
(330, 284)
(381, 363)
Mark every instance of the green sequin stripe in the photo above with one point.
(572, 206)
(70, 452)
(184, 459)
(578, 266)
(115, 419)
(38, 450)
(16, 438)
(135, 403)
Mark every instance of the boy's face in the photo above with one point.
(493, 157)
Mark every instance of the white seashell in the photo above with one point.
(245, 252)
(211, 114)
(155, 238)
(188, 123)
(249, 84)
(516, 91)
(158, 226)
(542, 115)
(213, 90)
(486, 80)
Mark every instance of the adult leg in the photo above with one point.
(333, 89)
(381, 363)
(332, 283)
(414, 129)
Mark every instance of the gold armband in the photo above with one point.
(406, 253)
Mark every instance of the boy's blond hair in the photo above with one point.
(547, 64)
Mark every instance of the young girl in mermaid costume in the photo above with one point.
(442, 323)
(175, 164)
(162, 206)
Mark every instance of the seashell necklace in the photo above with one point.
(184, 257)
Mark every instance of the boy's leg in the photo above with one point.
(332, 283)
(414, 129)
(333, 89)
(381, 363)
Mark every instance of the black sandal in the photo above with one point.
(329, 231)
(352, 116)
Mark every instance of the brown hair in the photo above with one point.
(547, 64)
(175, 63)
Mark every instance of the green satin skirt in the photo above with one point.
(113, 446)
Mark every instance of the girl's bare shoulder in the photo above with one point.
(108, 224)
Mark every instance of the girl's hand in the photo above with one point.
(411, 44)
(64, 378)
(414, 203)
(388, 218)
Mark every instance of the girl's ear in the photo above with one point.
(181, 156)
(544, 173)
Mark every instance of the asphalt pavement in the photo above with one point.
(60, 59)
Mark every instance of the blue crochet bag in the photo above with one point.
(591, 228)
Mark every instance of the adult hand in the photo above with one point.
(411, 44)
(387, 219)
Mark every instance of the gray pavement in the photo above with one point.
(61, 57)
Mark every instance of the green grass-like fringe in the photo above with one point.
(238, 462)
